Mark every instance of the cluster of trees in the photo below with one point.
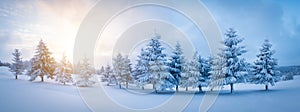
(43, 65)
(155, 67)
(166, 73)
(289, 71)
(4, 64)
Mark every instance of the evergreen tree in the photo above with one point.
(86, 74)
(122, 70)
(159, 75)
(42, 63)
(218, 71)
(101, 72)
(127, 71)
(141, 69)
(192, 76)
(185, 76)
(265, 66)
(111, 78)
(77, 67)
(117, 64)
(175, 65)
(235, 71)
(64, 71)
(17, 65)
(204, 69)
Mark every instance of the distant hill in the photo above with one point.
(4, 64)
(292, 70)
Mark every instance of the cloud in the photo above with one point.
(256, 20)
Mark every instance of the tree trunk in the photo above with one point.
(143, 88)
(231, 88)
(120, 86)
(267, 88)
(186, 89)
(176, 88)
(42, 78)
(200, 88)
(153, 86)
(126, 84)
(16, 77)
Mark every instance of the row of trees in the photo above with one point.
(162, 71)
(4, 64)
(43, 65)
(165, 73)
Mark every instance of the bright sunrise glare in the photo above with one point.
(55, 21)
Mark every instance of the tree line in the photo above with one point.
(163, 71)
(43, 65)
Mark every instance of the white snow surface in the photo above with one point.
(22, 95)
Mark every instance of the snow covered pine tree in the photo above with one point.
(235, 69)
(159, 75)
(122, 70)
(102, 74)
(192, 76)
(265, 67)
(141, 73)
(86, 74)
(17, 65)
(111, 78)
(117, 68)
(127, 71)
(175, 65)
(204, 69)
(64, 71)
(42, 63)
(218, 71)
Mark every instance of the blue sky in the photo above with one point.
(255, 20)
(24, 22)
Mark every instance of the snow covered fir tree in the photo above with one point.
(86, 73)
(122, 70)
(152, 67)
(102, 74)
(218, 71)
(175, 65)
(192, 76)
(17, 66)
(127, 70)
(42, 64)
(158, 66)
(205, 68)
(265, 66)
(64, 71)
(109, 75)
(141, 73)
(234, 70)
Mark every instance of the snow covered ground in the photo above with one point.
(25, 96)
